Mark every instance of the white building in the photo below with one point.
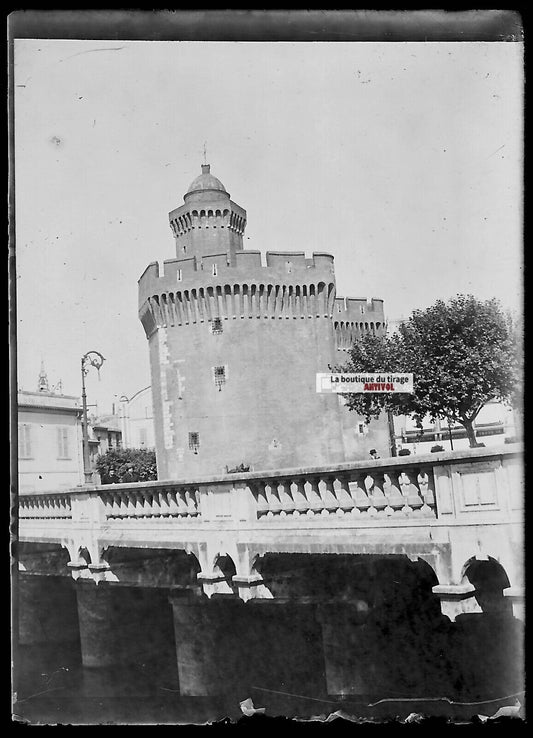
(49, 441)
(137, 420)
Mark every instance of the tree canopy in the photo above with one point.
(463, 353)
(127, 465)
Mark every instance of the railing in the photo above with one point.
(173, 501)
(428, 487)
(45, 505)
(371, 493)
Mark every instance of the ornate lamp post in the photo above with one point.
(91, 358)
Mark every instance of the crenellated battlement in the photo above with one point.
(191, 290)
(193, 216)
(353, 317)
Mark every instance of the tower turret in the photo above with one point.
(209, 223)
(43, 379)
(236, 340)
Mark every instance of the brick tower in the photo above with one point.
(235, 345)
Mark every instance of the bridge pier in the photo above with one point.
(343, 646)
(456, 599)
(98, 624)
(195, 634)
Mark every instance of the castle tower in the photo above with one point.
(209, 223)
(235, 344)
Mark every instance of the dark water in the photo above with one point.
(476, 660)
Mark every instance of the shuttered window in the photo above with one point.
(25, 449)
(62, 443)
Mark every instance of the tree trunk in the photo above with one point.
(470, 432)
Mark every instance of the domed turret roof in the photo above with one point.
(206, 181)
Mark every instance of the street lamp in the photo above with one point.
(91, 358)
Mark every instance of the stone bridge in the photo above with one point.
(306, 535)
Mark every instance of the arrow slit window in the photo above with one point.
(219, 375)
(194, 442)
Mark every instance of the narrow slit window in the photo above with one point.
(62, 443)
(194, 442)
(214, 270)
(216, 325)
(219, 373)
(180, 275)
(24, 442)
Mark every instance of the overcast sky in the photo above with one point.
(403, 160)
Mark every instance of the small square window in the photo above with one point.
(194, 442)
(216, 325)
(219, 373)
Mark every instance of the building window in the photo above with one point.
(216, 325)
(24, 442)
(362, 310)
(361, 428)
(179, 274)
(142, 436)
(214, 270)
(194, 442)
(288, 266)
(219, 375)
(62, 443)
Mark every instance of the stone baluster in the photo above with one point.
(155, 507)
(359, 496)
(425, 492)
(394, 496)
(163, 503)
(260, 495)
(190, 500)
(129, 504)
(413, 500)
(138, 503)
(287, 503)
(312, 492)
(327, 494)
(146, 501)
(107, 500)
(342, 493)
(182, 503)
(172, 494)
(298, 495)
(376, 496)
(274, 504)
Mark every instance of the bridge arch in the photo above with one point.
(489, 579)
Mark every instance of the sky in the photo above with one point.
(403, 160)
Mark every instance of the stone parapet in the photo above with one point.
(193, 290)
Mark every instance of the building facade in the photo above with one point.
(137, 420)
(49, 441)
(235, 343)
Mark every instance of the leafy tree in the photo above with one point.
(376, 354)
(127, 465)
(463, 353)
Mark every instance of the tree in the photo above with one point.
(127, 465)
(462, 353)
(376, 354)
